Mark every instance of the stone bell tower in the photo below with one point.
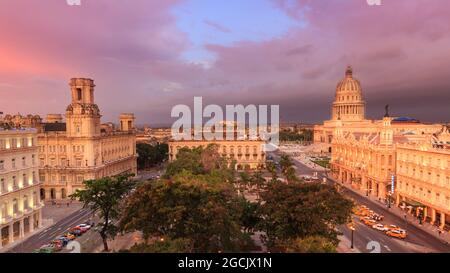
(82, 115)
(127, 122)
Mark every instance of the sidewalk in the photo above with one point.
(344, 246)
(410, 220)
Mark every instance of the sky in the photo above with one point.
(147, 56)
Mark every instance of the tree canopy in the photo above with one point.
(298, 210)
(104, 196)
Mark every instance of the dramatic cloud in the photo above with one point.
(134, 51)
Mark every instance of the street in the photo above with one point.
(364, 236)
(46, 236)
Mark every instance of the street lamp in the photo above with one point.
(352, 228)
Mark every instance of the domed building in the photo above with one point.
(349, 111)
(349, 104)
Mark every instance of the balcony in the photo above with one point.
(27, 210)
(5, 220)
(18, 214)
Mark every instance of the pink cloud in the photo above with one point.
(399, 51)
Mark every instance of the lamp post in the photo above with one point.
(352, 228)
(389, 200)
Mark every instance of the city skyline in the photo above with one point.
(148, 57)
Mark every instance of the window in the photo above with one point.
(42, 177)
(15, 206)
(79, 94)
(2, 185)
(33, 160)
(25, 202)
(24, 161)
(14, 182)
(2, 164)
(24, 179)
(13, 163)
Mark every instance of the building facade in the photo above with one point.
(247, 153)
(81, 148)
(20, 204)
(366, 161)
(349, 110)
(423, 178)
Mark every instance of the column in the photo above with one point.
(40, 218)
(442, 220)
(31, 221)
(21, 229)
(397, 200)
(425, 214)
(11, 233)
(433, 216)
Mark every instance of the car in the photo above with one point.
(69, 236)
(75, 231)
(83, 227)
(369, 222)
(63, 240)
(57, 245)
(380, 227)
(393, 227)
(377, 217)
(397, 233)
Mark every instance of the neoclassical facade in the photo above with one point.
(366, 161)
(423, 178)
(248, 153)
(349, 110)
(20, 204)
(81, 149)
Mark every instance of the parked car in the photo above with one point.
(369, 222)
(83, 227)
(377, 217)
(69, 236)
(393, 227)
(380, 227)
(63, 240)
(75, 231)
(397, 233)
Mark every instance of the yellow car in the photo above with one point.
(397, 233)
(69, 236)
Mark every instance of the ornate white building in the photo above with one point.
(79, 149)
(20, 204)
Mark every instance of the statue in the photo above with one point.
(387, 111)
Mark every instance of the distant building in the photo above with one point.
(248, 154)
(154, 135)
(20, 204)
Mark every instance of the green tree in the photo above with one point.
(285, 163)
(310, 244)
(163, 246)
(151, 155)
(104, 196)
(298, 210)
(272, 169)
(206, 214)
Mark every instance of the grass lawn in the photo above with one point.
(322, 163)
